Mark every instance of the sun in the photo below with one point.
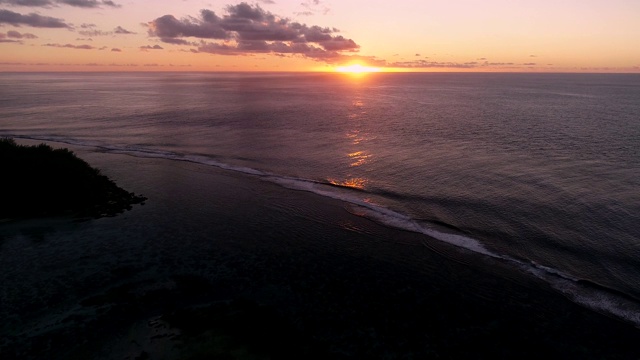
(357, 69)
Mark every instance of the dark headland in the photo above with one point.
(225, 266)
(41, 181)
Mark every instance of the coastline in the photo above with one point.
(42, 181)
(209, 239)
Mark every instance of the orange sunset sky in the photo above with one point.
(320, 35)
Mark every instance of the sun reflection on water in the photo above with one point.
(357, 154)
(358, 158)
(356, 183)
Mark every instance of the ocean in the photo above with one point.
(538, 171)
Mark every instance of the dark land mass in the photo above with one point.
(40, 181)
(224, 266)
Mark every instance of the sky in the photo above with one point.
(320, 35)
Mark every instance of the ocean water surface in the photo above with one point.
(541, 171)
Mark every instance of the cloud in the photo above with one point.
(207, 27)
(71, 46)
(121, 30)
(417, 64)
(149, 47)
(177, 41)
(16, 35)
(339, 43)
(486, 63)
(3, 39)
(94, 33)
(26, 2)
(116, 50)
(49, 3)
(312, 7)
(131, 65)
(246, 30)
(33, 19)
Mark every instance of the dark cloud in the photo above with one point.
(248, 29)
(529, 64)
(33, 19)
(26, 2)
(71, 46)
(207, 27)
(16, 35)
(317, 34)
(121, 30)
(87, 3)
(116, 50)
(149, 47)
(177, 41)
(49, 3)
(339, 43)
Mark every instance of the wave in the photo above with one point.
(589, 294)
(594, 296)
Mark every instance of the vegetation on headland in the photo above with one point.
(39, 181)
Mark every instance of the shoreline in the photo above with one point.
(587, 293)
(348, 286)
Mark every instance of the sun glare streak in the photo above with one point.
(357, 69)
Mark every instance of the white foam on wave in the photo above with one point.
(596, 299)
(198, 159)
(144, 153)
(599, 300)
(385, 216)
(58, 139)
